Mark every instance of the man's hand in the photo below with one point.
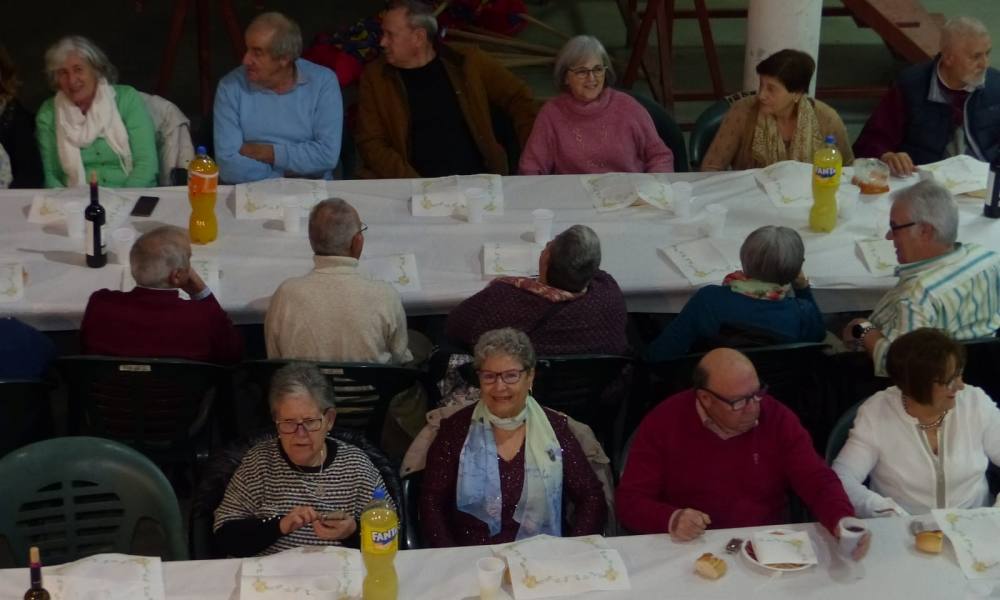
(334, 530)
(800, 282)
(900, 163)
(689, 524)
(194, 284)
(257, 151)
(299, 516)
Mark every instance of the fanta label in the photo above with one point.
(381, 542)
(201, 183)
(826, 172)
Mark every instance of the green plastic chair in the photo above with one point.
(838, 436)
(78, 496)
(707, 125)
(666, 128)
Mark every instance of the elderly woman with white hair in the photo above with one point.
(769, 301)
(590, 127)
(92, 124)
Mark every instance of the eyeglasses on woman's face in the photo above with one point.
(953, 384)
(510, 376)
(291, 426)
(740, 403)
(584, 72)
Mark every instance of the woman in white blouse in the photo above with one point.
(927, 441)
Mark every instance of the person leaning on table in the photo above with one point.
(91, 124)
(590, 127)
(504, 468)
(725, 454)
(927, 441)
(780, 122)
(283, 488)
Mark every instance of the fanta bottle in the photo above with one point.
(203, 183)
(827, 163)
(379, 542)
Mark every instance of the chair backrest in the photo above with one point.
(839, 433)
(666, 128)
(222, 464)
(77, 496)
(173, 136)
(25, 413)
(161, 407)
(362, 390)
(982, 357)
(707, 125)
(411, 538)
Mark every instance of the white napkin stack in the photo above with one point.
(879, 256)
(47, 207)
(11, 281)
(961, 174)
(510, 259)
(787, 183)
(700, 261)
(548, 567)
(306, 572)
(616, 191)
(106, 576)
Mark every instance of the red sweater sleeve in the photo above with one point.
(227, 343)
(885, 129)
(639, 499)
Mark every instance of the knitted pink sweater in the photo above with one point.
(614, 133)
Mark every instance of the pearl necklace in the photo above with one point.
(926, 426)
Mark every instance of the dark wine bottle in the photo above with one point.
(95, 245)
(992, 207)
(36, 591)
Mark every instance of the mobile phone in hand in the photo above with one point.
(333, 517)
(144, 206)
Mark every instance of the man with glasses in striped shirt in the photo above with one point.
(942, 283)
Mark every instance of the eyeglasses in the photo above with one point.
(290, 426)
(509, 377)
(894, 228)
(741, 403)
(952, 384)
(583, 72)
(363, 229)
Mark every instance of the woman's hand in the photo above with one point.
(800, 282)
(297, 517)
(335, 530)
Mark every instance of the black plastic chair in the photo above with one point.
(25, 413)
(412, 538)
(222, 464)
(707, 125)
(362, 390)
(161, 407)
(666, 128)
(982, 359)
(841, 431)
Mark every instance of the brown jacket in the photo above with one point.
(383, 128)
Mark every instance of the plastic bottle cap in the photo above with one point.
(829, 139)
(378, 494)
(201, 150)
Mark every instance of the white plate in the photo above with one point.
(747, 552)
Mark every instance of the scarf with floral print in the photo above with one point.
(755, 288)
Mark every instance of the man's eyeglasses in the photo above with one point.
(741, 403)
(894, 228)
(363, 229)
(509, 377)
(583, 72)
(290, 426)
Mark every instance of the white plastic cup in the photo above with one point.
(121, 243)
(851, 531)
(489, 571)
(715, 220)
(847, 201)
(475, 204)
(543, 225)
(293, 214)
(682, 199)
(73, 212)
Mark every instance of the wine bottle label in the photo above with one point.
(89, 228)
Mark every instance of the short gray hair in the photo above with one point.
(419, 15)
(958, 28)
(300, 378)
(57, 54)
(577, 50)
(931, 203)
(333, 223)
(287, 39)
(773, 254)
(504, 342)
(574, 258)
(158, 253)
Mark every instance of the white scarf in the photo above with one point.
(75, 130)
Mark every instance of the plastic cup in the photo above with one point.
(847, 201)
(490, 570)
(715, 220)
(682, 199)
(121, 243)
(475, 204)
(293, 214)
(851, 532)
(543, 225)
(73, 211)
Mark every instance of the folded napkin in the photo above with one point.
(47, 207)
(398, 270)
(783, 546)
(615, 191)
(108, 577)
(11, 281)
(787, 183)
(545, 566)
(975, 535)
(266, 199)
(879, 256)
(700, 261)
(510, 259)
(961, 174)
(445, 196)
(305, 572)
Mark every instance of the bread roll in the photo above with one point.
(930, 541)
(710, 566)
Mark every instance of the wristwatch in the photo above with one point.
(860, 330)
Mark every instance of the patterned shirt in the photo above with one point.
(267, 485)
(958, 292)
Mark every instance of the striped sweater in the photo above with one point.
(958, 292)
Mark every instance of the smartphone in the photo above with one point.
(336, 515)
(144, 206)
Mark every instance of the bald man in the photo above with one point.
(724, 454)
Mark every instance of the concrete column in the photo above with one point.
(774, 25)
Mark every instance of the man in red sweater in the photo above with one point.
(152, 320)
(724, 454)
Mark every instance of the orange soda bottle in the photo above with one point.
(203, 184)
(827, 164)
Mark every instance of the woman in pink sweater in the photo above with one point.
(589, 127)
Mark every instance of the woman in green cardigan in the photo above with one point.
(91, 124)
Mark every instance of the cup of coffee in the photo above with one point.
(851, 531)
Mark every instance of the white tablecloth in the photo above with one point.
(256, 256)
(658, 568)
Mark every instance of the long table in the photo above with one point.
(657, 568)
(257, 255)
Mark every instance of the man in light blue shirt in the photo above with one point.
(277, 115)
